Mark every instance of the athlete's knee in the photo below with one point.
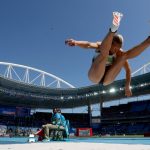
(94, 80)
(93, 77)
(107, 82)
(109, 78)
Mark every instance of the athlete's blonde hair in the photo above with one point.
(118, 38)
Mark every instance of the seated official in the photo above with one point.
(54, 125)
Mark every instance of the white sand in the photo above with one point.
(73, 146)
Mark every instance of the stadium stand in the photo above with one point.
(26, 123)
(131, 118)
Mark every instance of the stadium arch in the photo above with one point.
(14, 92)
(24, 74)
(22, 94)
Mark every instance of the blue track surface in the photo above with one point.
(145, 141)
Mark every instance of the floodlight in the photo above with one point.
(112, 90)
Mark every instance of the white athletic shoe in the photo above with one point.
(117, 16)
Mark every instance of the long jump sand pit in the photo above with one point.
(73, 146)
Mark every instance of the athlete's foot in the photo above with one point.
(117, 16)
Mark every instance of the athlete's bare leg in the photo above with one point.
(97, 68)
(114, 70)
(119, 63)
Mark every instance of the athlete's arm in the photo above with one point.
(82, 44)
(127, 68)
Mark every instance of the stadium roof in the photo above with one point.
(15, 93)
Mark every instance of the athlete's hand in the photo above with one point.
(128, 91)
(70, 42)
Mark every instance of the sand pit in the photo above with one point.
(73, 146)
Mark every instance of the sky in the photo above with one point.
(32, 33)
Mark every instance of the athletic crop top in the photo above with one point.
(110, 58)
